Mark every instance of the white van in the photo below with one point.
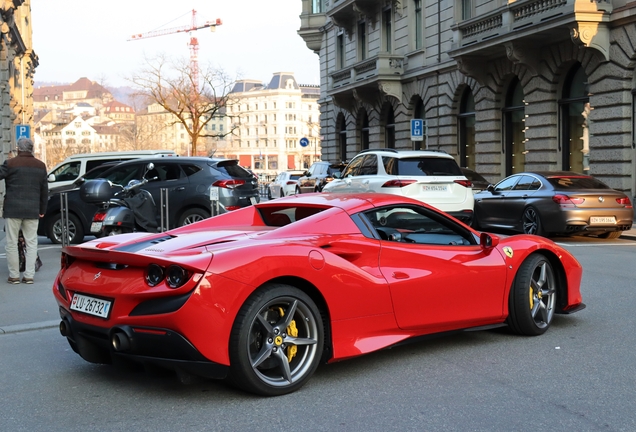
(76, 166)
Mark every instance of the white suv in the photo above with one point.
(429, 176)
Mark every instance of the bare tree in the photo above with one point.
(192, 104)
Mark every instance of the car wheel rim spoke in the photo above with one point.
(543, 295)
(283, 342)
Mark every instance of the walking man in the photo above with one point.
(24, 203)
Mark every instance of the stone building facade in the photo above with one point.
(503, 85)
(17, 66)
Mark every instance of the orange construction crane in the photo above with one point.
(194, 43)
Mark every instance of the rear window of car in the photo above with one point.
(233, 169)
(576, 182)
(294, 176)
(421, 166)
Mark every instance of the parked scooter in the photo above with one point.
(122, 209)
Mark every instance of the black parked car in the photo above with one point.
(188, 180)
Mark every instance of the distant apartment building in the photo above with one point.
(158, 128)
(67, 96)
(119, 112)
(268, 121)
(504, 86)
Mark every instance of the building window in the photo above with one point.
(362, 40)
(317, 6)
(419, 35)
(574, 110)
(340, 51)
(389, 127)
(514, 129)
(466, 9)
(341, 131)
(387, 26)
(364, 131)
(419, 113)
(466, 130)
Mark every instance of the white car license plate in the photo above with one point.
(96, 227)
(91, 305)
(253, 200)
(435, 188)
(603, 220)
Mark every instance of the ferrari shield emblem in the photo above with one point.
(508, 251)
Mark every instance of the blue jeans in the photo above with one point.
(29, 229)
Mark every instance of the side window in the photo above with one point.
(506, 184)
(95, 163)
(526, 183)
(353, 168)
(67, 172)
(121, 175)
(369, 165)
(417, 225)
(190, 169)
(390, 165)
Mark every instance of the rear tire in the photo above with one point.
(611, 235)
(269, 193)
(533, 297)
(531, 222)
(276, 341)
(297, 190)
(193, 215)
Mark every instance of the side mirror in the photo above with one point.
(488, 241)
(490, 188)
(150, 166)
(306, 174)
(51, 178)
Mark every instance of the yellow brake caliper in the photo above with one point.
(292, 331)
(531, 298)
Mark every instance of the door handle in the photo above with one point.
(400, 275)
(180, 188)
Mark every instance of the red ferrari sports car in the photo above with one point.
(263, 294)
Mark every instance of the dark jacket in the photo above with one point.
(27, 187)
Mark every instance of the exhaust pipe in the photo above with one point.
(65, 328)
(120, 341)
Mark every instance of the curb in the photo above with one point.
(28, 327)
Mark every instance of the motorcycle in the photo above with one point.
(122, 209)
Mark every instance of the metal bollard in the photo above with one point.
(64, 219)
(214, 200)
(164, 204)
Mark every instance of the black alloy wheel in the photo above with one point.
(533, 297)
(276, 342)
(75, 230)
(532, 222)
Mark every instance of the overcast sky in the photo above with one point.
(89, 38)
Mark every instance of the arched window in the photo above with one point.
(389, 127)
(364, 130)
(574, 109)
(418, 113)
(466, 130)
(514, 129)
(341, 131)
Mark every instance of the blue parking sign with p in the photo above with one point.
(417, 129)
(22, 131)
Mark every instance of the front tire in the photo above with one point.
(75, 229)
(533, 297)
(276, 342)
(532, 222)
(269, 193)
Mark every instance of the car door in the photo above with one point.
(344, 183)
(518, 198)
(434, 284)
(170, 177)
(490, 205)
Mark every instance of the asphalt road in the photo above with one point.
(578, 376)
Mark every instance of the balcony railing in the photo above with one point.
(380, 67)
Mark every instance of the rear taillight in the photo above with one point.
(290, 182)
(397, 183)
(99, 217)
(230, 208)
(229, 184)
(624, 201)
(465, 183)
(566, 201)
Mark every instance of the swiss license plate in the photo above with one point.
(435, 188)
(96, 227)
(253, 200)
(91, 305)
(603, 220)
